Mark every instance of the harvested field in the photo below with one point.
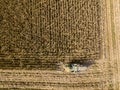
(37, 35)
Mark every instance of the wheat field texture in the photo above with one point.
(41, 40)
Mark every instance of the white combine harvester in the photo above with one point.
(77, 68)
(73, 67)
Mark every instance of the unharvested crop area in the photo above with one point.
(39, 34)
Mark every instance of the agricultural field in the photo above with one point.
(42, 32)
(41, 41)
